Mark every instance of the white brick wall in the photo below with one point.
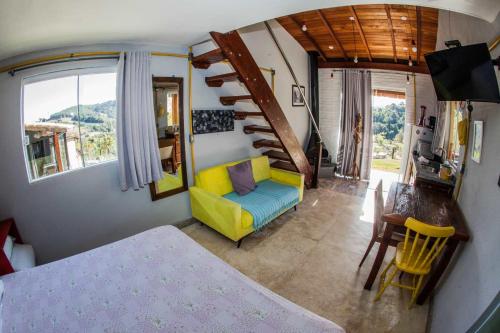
(329, 109)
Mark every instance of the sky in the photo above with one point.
(380, 101)
(41, 99)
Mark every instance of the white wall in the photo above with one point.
(330, 89)
(474, 281)
(80, 210)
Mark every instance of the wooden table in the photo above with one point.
(433, 207)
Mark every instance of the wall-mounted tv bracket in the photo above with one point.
(452, 43)
(496, 62)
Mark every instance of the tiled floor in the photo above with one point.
(311, 257)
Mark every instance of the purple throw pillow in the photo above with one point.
(242, 177)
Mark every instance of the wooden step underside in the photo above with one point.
(284, 166)
(250, 129)
(242, 115)
(218, 80)
(203, 61)
(231, 100)
(267, 143)
(277, 155)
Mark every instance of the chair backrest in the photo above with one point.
(378, 224)
(166, 152)
(417, 257)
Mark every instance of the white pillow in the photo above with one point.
(8, 245)
(23, 257)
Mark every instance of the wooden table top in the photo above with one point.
(426, 205)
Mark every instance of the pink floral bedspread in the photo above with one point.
(157, 281)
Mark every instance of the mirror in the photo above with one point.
(169, 117)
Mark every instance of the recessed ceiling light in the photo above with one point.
(351, 18)
(304, 27)
(330, 47)
(404, 18)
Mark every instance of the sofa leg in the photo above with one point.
(295, 207)
(239, 243)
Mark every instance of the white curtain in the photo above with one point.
(138, 153)
(356, 100)
(442, 128)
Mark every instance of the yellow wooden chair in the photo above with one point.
(415, 255)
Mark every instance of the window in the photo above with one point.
(69, 122)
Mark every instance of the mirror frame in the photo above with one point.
(157, 196)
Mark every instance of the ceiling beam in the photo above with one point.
(419, 32)
(332, 33)
(309, 38)
(360, 29)
(422, 69)
(391, 28)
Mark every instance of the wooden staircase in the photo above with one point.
(286, 151)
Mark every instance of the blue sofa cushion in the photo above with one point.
(268, 201)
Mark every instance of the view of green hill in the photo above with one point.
(92, 113)
(388, 127)
(389, 120)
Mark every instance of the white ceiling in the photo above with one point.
(33, 25)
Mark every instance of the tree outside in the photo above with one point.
(388, 127)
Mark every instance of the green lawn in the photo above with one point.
(386, 164)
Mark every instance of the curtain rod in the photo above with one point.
(372, 71)
(68, 57)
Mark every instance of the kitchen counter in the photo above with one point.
(424, 175)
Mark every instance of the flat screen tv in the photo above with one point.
(464, 73)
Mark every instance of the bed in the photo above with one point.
(156, 281)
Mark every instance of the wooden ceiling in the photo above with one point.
(382, 37)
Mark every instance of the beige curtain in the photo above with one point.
(356, 101)
(442, 129)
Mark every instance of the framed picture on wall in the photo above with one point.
(477, 141)
(297, 99)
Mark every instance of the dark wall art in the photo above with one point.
(297, 99)
(212, 121)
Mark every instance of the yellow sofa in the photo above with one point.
(225, 216)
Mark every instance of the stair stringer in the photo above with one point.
(238, 55)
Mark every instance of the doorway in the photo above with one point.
(388, 117)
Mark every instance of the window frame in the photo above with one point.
(50, 76)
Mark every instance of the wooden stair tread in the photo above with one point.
(244, 64)
(241, 115)
(248, 129)
(277, 155)
(204, 60)
(284, 166)
(267, 143)
(218, 80)
(230, 100)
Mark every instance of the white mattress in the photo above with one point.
(157, 281)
